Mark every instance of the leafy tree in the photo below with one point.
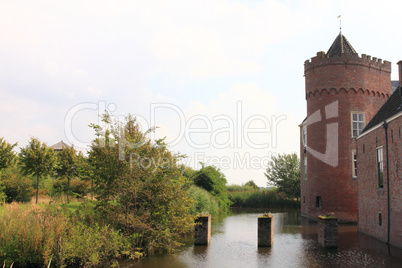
(66, 166)
(252, 185)
(213, 180)
(7, 156)
(140, 188)
(85, 171)
(37, 159)
(284, 172)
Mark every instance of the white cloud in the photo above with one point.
(237, 131)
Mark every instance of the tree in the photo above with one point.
(140, 188)
(37, 159)
(7, 156)
(252, 185)
(213, 180)
(284, 172)
(66, 166)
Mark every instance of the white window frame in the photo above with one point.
(305, 167)
(380, 166)
(354, 164)
(304, 136)
(360, 124)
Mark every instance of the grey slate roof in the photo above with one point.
(390, 108)
(339, 46)
(394, 85)
(59, 146)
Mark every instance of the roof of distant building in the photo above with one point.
(340, 46)
(390, 108)
(60, 145)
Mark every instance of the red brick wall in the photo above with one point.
(360, 85)
(372, 199)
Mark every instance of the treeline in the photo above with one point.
(250, 197)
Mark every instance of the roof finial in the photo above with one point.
(340, 23)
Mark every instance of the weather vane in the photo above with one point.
(340, 23)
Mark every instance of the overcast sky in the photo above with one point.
(223, 80)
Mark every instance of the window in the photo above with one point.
(354, 164)
(357, 124)
(379, 219)
(380, 168)
(305, 168)
(304, 199)
(304, 136)
(318, 202)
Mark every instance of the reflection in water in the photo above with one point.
(234, 244)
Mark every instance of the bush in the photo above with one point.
(213, 180)
(78, 188)
(204, 201)
(17, 186)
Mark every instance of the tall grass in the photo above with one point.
(34, 235)
(261, 199)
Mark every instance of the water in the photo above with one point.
(234, 244)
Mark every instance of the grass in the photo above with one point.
(35, 235)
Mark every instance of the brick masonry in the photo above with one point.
(327, 231)
(358, 84)
(372, 198)
(202, 230)
(265, 231)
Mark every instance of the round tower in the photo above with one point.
(343, 93)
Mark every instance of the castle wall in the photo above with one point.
(372, 198)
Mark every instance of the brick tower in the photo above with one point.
(343, 93)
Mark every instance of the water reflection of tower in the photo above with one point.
(343, 93)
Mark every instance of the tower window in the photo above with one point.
(357, 124)
(379, 219)
(318, 202)
(305, 168)
(304, 137)
(354, 164)
(380, 167)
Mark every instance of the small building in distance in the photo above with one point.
(379, 176)
(59, 146)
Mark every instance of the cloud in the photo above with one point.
(237, 131)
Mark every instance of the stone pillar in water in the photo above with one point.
(202, 230)
(265, 230)
(328, 231)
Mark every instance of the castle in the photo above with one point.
(342, 148)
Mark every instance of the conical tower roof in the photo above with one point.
(340, 46)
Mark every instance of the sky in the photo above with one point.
(222, 80)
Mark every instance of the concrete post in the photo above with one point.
(328, 231)
(265, 230)
(202, 230)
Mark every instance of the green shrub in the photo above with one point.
(204, 201)
(17, 187)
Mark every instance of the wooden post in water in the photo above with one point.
(265, 230)
(328, 231)
(202, 230)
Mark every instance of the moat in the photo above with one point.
(234, 244)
